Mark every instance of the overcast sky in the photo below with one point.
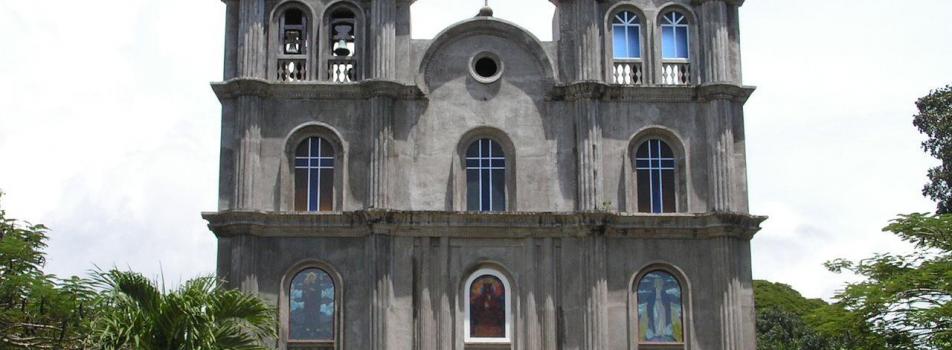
(109, 131)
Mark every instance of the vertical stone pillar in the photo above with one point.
(381, 135)
(383, 28)
(580, 40)
(248, 153)
(720, 136)
(379, 255)
(720, 56)
(232, 19)
(588, 138)
(736, 320)
(252, 50)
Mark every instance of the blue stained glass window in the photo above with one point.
(485, 176)
(626, 35)
(314, 175)
(660, 312)
(674, 36)
(655, 172)
(312, 306)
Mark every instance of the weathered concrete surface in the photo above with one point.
(571, 244)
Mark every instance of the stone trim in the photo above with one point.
(482, 225)
(611, 92)
(364, 89)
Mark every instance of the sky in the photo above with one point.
(109, 132)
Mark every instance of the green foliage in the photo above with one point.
(905, 298)
(935, 120)
(782, 297)
(200, 315)
(37, 311)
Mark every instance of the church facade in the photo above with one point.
(485, 189)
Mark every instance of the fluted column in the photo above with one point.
(379, 253)
(721, 156)
(381, 135)
(580, 40)
(232, 19)
(252, 52)
(719, 42)
(247, 132)
(383, 26)
(588, 137)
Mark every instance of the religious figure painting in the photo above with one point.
(312, 306)
(659, 309)
(487, 308)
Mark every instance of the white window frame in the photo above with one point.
(508, 307)
(633, 22)
(682, 23)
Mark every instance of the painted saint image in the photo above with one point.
(487, 308)
(312, 306)
(659, 309)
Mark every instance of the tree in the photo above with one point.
(199, 315)
(37, 311)
(905, 298)
(935, 120)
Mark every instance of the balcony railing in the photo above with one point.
(290, 70)
(627, 72)
(342, 70)
(675, 73)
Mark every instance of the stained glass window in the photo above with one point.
(487, 308)
(655, 168)
(626, 35)
(314, 175)
(485, 176)
(660, 314)
(674, 36)
(312, 306)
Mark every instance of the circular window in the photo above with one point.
(486, 67)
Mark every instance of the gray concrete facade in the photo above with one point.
(572, 243)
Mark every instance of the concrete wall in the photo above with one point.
(568, 133)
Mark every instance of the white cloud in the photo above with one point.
(109, 131)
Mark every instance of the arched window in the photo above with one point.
(626, 46)
(343, 33)
(485, 176)
(314, 175)
(675, 49)
(626, 35)
(293, 41)
(659, 309)
(674, 36)
(655, 173)
(488, 308)
(312, 309)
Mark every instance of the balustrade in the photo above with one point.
(341, 70)
(292, 70)
(675, 73)
(628, 72)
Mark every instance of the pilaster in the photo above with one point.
(232, 20)
(381, 135)
(588, 138)
(248, 153)
(252, 57)
(580, 42)
(720, 58)
(383, 26)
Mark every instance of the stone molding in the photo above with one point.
(483, 225)
(315, 90)
(594, 90)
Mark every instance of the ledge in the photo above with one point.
(315, 89)
(482, 225)
(596, 90)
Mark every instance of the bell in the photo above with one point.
(341, 49)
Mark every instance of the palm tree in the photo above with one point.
(199, 315)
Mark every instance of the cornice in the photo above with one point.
(315, 90)
(482, 225)
(595, 90)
